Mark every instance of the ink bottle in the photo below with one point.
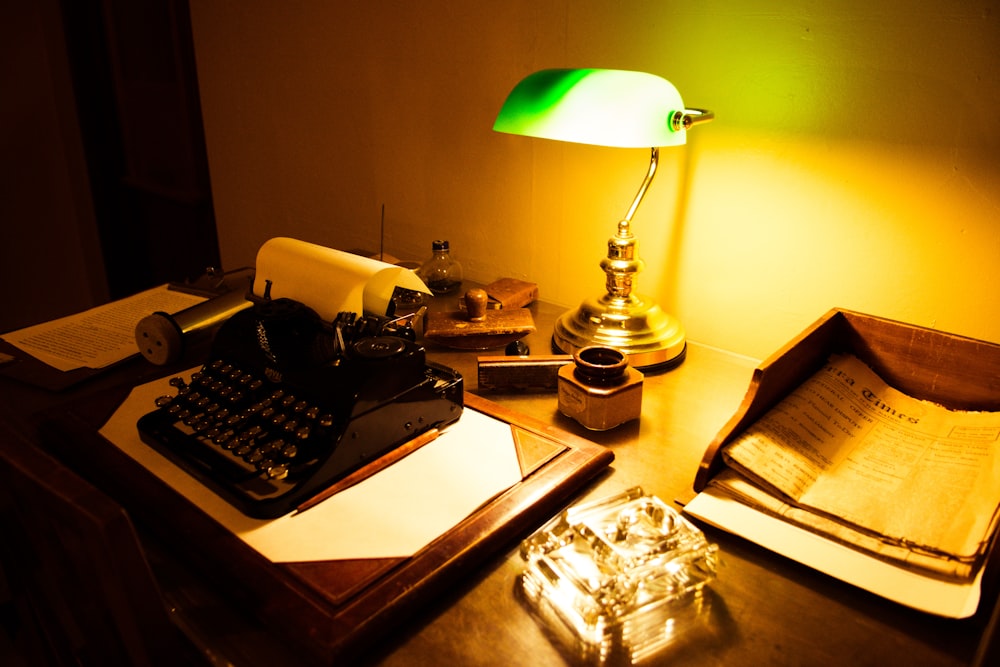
(601, 391)
(442, 273)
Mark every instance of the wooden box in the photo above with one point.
(957, 372)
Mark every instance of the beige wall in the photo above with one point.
(853, 162)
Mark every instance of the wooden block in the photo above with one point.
(498, 328)
(536, 373)
(512, 293)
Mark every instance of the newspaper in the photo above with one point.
(849, 457)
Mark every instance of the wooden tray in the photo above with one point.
(957, 372)
(333, 609)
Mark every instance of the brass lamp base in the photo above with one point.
(622, 319)
(634, 325)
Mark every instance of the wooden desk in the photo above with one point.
(766, 610)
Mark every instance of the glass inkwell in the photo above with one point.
(442, 273)
(618, 579)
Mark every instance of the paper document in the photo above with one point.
(849, 457)
(327, 280)
(100, 336)
(952, 599)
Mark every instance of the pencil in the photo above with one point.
(376, 466)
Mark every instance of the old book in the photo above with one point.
(512, 293)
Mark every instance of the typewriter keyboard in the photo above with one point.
(248, 426)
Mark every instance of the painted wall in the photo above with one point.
(853, 162)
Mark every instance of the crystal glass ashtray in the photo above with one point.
(621, 569)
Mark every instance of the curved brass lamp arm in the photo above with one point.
(654, 160)
(679, 120)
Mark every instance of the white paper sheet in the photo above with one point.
(936, 596)
(393, 514)
(329, 281)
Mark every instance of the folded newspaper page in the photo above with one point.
(848, 456)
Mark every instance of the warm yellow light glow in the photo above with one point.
(821, 184)
(822, 225)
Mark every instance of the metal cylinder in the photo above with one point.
(162, 337)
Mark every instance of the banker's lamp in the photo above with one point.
(610, 108)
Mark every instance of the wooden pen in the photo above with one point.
(376, 466)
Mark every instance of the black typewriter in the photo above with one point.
(289, 404)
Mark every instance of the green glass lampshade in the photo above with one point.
(603, 107)
(617, 108)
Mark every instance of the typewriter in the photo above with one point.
(288, 404)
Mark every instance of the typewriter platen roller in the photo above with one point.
(289, 404)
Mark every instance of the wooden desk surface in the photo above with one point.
(764, 609)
